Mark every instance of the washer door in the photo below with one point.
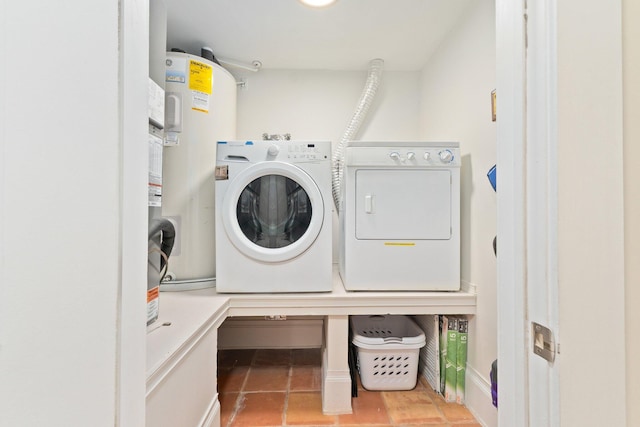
(272, 211)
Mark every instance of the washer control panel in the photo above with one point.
(304, 151)
(281, 150)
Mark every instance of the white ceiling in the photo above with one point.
(288, 35)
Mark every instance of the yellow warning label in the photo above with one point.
(399, 244)
(200, 77)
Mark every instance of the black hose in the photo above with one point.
(157, 225)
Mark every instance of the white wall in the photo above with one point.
(590, 213)
(631, 74)
(456, 87)
(319, 105)
(62, 264)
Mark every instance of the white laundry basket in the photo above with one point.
(388, 351)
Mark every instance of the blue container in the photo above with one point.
(492, 177)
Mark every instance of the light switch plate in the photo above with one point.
(544, 344)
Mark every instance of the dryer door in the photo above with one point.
(401, 204)
(272, 211)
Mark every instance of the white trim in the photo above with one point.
(511, 289)
(133, 69)
(542, 205)
(212, 417)
(469, 287)
(478, 398)
(166, 366)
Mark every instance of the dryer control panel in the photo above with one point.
(403, 154)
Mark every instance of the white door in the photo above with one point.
(560, 213)
(527, 218)
(527, 215)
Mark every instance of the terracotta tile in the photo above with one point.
(368, 408)
(429, 425)
(231, 379)
(231, 358)
(473, 424)
(306, 356)
(305, 408)
(454, 412)
(437, 398)
(266, 378)
(428, 389)
(259, 409)
(411, 407)
(272, 357)
(227, 407)
(306, 378)
(420, 385)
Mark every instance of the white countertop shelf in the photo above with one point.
(192, 313)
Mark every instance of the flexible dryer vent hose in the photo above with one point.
(366, 99)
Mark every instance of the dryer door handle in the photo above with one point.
(368, 203)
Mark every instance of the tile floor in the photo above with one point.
(268, 388)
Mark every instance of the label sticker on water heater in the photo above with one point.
(200, 77)
(175, 72)
(199, 101)
(201, 84)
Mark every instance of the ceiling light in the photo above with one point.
(317, 3)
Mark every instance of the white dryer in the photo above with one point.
(273, 216)
(400, 216)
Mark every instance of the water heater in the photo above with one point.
(200, 109)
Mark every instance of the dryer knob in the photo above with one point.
(411, 155)
(273, 150)
(426, 156)
(394, 155)
(446, 156)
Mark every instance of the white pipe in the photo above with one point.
(368, 94)
(254, 66)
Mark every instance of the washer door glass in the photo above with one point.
(272, 211)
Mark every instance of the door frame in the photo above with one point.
(526, 41)
(511, 214)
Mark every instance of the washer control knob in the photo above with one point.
(394, 155)
(426, 156)
(446, 156)
(411, 155)
(273, 150)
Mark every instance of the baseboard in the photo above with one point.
(212, 417)
(478, 399)
(252, 333)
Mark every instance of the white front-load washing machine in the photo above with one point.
(273, 216)
(400, 216)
